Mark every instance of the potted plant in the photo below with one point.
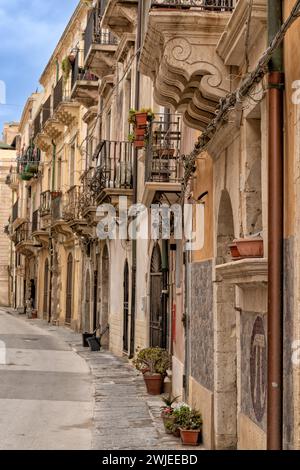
(189, 423)
(153, 363)
(140, 118)
(167, 413)
(66, 68)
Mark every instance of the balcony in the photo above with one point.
(40, 138)
(72, 211)
(23, 240)
(113, 175)
(84, 84)
(120, 16)
(163, 165)
(29, 163)
(12, 179)
(179, 55)
(64, 108)
(51, 125)
(17, 216)
(88, 196)
(99, 47)
(15, 211)
(45, 205)
(59, 224)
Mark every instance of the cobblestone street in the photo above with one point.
(125, 417)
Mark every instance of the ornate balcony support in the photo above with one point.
(120, 16)
(64, 109)
(54, 128)
(179, 55)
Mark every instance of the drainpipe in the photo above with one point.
(50, 235)
(165, 292)
(135, 180)
(275, 228)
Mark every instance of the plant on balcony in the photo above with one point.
(25, 176)
(140, 118)
(31, 167)
(153, 363)
(66, 68)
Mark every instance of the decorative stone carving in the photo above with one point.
(179, 55)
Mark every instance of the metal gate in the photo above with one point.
(157, 334)
(69, 289)
(46, 290)
(126, 308)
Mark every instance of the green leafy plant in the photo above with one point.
(131, 137)
(153, 361)
(131, 116)
(187, 418)
(168, 401)
(66, 68)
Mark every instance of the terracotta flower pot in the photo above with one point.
(234, 250)
(250, 247)
(139, 132)
(139, 144)
(153, 383)
(189, 437)
(141, 119)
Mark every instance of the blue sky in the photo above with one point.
(29, 31)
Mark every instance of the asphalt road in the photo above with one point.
(45, 390)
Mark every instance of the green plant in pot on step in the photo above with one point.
(153, 363)
(167, 413)
(189, 423)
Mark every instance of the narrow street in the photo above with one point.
(55, 394)
(45, 390)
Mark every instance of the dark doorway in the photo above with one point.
(158, 333)
(126, 308)
(46, 290)
(69, 293)
(87, 322)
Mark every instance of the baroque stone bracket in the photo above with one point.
(179, 55)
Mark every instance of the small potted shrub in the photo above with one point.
(153, 363)
(167, 413)
(189, 422)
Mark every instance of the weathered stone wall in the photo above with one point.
(202, 336)
(288, 310)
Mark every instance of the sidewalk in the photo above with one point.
(125, 416)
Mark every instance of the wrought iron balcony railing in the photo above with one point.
(45, 205)
(163, 157)
(114, 166)
(46, 111)
(15, 211)
(80, 73)
(60, 94)
(212, 5)
(94, 34)
(23, 233)
(88, 196)
(73, 203)
(37, 124)
(35, 221)
(57, 207)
